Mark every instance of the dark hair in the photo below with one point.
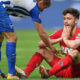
(47, 2)
(72, 11)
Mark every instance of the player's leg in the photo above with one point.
(7, 30)
(63, 63)
(11, 52)
(35, 61)
(51, 59)
(2, 75)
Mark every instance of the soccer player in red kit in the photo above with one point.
(69, 66)
(69, 39)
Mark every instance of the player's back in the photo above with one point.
(20, 8)
(27, 4)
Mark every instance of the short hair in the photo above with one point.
(72, 11)
(47, 2)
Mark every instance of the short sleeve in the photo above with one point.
(56, 34)
(35, 14)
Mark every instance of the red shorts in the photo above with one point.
(72, 71)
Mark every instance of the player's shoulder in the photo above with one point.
(78, 30)
(35, 8)
(60, 30)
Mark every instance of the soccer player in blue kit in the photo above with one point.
(20, 8)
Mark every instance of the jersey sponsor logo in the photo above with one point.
(78, 34)
(11, 26)
(66, 50)
(61, 64)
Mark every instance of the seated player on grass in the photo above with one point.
(69, 66)
(69, 39)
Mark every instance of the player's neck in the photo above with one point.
(73, 31)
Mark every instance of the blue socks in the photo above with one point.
(11, 57)
(0, 56)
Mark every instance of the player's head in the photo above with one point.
(42, 4)
(71, 17)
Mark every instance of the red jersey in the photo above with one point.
(64, 47)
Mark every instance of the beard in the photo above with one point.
(71, 25)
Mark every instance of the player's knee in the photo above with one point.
(74, 54)
(42, 51)
(15, 38)
(12, 38)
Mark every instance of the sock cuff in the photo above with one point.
(38, 54)
(11, 44)
(70, 57)
(54, 61)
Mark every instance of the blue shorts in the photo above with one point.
(5, 22)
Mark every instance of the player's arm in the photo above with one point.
(44, 36)
(66, 35)
(72, 43)
(52, 41)
(53, 38)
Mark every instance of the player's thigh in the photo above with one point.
(6, 26)
(65, 73)
(10, 36)
(47, 54)
(76, 56)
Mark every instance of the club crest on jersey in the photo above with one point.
(78, 36)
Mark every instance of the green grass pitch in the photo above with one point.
(27, 45)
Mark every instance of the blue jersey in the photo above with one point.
(23, 8)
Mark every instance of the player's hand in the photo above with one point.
(66, 32)
(53, 50)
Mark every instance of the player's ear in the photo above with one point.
(76, 21)
(40, 1)
(37, 0)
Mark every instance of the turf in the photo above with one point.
(26, 46)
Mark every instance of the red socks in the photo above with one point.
(61, 64)
(33, 63)
(54, 61)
